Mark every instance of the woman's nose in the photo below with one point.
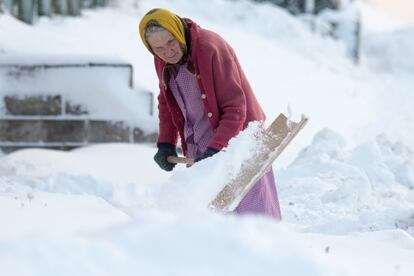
(169, 51)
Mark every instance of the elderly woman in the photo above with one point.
(204, 98)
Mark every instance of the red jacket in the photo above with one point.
(229, 101)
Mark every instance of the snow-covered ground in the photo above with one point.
(346, 184)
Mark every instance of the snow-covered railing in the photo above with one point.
(74, 64)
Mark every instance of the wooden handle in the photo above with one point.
(180, 160)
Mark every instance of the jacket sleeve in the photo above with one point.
(168, 133)
(231, 98)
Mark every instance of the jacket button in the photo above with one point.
(198, 76)
(210, 114)
(203, 96)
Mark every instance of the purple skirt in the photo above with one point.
(262, 198)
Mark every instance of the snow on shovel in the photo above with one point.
(272, 142)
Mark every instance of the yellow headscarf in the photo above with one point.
(166, 19)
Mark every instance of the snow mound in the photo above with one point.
(143, 244)
(333, 189)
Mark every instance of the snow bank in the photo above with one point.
(323, 191)
(168, 246)
(330, 188)
(109, 172)
(91, 171)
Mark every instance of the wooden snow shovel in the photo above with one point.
(274, 140)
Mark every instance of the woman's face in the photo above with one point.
(165, 46)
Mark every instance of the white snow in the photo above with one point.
(99, 82)
(346, 183)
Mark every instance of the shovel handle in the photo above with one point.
(180, 160)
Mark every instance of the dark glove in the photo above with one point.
(208, 153)
(165, 150)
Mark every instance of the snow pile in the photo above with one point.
(328, 188)
(203, 188)
(90, 171)
(159, 245)
(64, 202)
(333, 189)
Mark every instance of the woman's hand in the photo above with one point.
(165, 150)
(208, 153)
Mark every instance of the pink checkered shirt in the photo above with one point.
(262, 198)
(197, 129)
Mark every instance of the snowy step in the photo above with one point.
(65, 102)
